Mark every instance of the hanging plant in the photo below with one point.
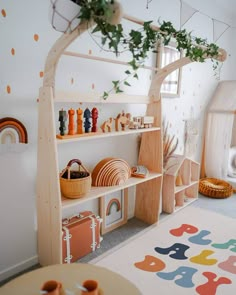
(107, 15)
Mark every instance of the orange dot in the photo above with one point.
(8, 89)
(3, 11)
(36, 37)
(72, 81)
(41, 74)
(13, 51)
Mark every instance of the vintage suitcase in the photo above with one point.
(80, 236)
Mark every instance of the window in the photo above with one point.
(171, 85)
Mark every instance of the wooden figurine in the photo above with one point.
(107, 125)
(87, 123)
(62, 119)
(71, 126)
(122, 120)
(94, 119)
(79, 121)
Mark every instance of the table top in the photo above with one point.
(69, 275)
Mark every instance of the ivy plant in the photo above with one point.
(140, 42)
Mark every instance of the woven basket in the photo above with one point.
(215, 188)
(75, 183)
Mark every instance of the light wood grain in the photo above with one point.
(100, 135)
(48, 188)
(97, 192)
(174, 196)
(95, 97)
(50, 204)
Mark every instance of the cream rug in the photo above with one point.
(191, 252)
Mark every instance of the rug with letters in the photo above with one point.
(191, 252)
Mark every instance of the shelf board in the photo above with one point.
(97, 192)
(94, 97)
(96, 135)
(183, 187)
(186, 203)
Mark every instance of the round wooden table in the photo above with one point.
(110, 283)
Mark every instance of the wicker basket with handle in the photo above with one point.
(75, 183)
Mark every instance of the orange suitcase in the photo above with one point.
(80, 236)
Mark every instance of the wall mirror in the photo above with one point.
(171, 85)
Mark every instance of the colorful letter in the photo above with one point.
(184, 228)
(177, 247)
(151, 264)
(198, 238)
(202, 258)
(210, 287)
(229, 265)
(186, 274)
(227, 245)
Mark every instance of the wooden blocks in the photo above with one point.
(111, 171)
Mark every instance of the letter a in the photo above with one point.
(186, 274)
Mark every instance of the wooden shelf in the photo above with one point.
(50, 203)
(173, 196)
(183, 187)
(98, 135)
(97, 192)
(186, 203)
(94, 97)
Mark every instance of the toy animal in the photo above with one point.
(107, 125)
(122, 120)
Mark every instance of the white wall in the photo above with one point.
(21, 72)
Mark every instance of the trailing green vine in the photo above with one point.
(140, 42)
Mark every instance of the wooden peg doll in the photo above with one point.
(71, 126)
(62, 119)
(87, 123)
(79, 121)
(94, 119)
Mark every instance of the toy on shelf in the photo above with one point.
(110, 172)
(139, 171)
(79, 121)
(87, 123)
(62, 119)
(80, 235)
(122, 120)
(75, 183)
(141, 122)
(107, 125)
(71, 126)
(94, 119)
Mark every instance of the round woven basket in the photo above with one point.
(215, 188)
(75, 183)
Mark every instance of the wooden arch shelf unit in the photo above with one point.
(50, 203)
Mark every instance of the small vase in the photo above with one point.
(178, 181)
(63, 15)
(91, 286)
(52, 288)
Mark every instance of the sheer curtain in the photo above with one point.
(219, 127)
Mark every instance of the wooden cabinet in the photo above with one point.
(50, 203)
(180, 183)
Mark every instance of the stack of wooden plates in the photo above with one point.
(110, 172)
